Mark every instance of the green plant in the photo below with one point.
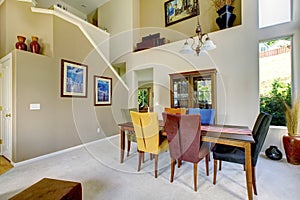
(271, 102)
(220, 3)
(143, 97)
(292, 116)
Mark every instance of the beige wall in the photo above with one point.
(21, 21)
(3, 28)
(116, 16)
(61, 122)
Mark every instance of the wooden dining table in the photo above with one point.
(239, 136)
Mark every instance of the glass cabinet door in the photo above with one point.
(202, 92)
(180, 92)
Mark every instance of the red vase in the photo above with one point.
(21, 43)
(34, 45)
(291, 146)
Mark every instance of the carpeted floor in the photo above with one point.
(5, 165)
(98, 168)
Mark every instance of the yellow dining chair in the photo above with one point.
(181, 111)
(146, 128)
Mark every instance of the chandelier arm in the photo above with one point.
(192, 46)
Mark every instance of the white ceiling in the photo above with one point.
(84, 6)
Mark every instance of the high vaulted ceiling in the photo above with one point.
(84, 6)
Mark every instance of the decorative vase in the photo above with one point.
(34, 45)
(226, 17)
(291, 146)
(273, 153)
(21, 43)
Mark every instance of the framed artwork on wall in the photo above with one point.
(103, 90)
(179, 10)
(73, 79)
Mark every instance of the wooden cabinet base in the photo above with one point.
(53, 189)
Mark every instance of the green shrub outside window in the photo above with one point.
(271, 102)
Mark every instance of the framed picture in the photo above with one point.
(73, 79)
(179, 10)
(102, 87)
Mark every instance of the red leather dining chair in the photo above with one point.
(184, 138)
(237, 155)
(146, 128)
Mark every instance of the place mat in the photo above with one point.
(225, 129)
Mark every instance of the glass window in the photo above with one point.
(275, 67)
(272, 12)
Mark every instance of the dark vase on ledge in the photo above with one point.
(21, 43)
(226, 17)
(34, 45)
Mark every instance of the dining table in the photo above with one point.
(238, 136)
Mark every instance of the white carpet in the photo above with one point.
(97, 166)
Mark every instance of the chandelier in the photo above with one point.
(204, 43)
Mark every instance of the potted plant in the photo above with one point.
(291, 142)
(224, 8)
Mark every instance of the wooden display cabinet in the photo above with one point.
(193, 89)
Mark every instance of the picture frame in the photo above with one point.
(103, 91)
(74, 79)
(179, 10)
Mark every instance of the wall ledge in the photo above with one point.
(34, 3)
(278, 127)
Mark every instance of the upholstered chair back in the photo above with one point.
(207, 115)
(181, 111)
(146, 128)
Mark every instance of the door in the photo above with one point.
(202, 92)
(6, 105)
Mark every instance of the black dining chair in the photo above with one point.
(227, 148)
(237, 154)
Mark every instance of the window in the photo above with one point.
(143, 97)
(272, 12)
(275, 77)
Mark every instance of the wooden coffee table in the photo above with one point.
(51, 189)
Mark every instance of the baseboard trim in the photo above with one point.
(61, 151)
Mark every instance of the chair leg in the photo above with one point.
(254, 180)
(220, 165)
(195, 176)
(206, 164)
(141, 155)
(173, 162)
(179, 163)
(156, 165)
(128, 147)
(215, 172)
